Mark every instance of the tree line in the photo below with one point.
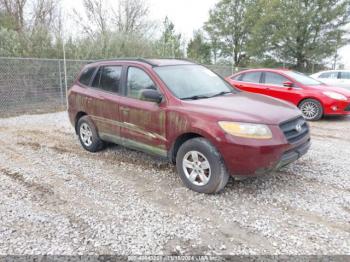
(243, 33)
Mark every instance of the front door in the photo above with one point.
(143, 122)
(274, 84)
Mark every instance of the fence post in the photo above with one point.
(60, 78)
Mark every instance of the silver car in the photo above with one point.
(337, 78)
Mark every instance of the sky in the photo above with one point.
(189, 15)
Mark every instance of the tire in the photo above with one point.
(311, 109)
(88, 135)
(196, 176)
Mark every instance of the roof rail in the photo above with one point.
(139, 59)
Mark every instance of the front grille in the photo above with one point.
(291, 132)
(347, 108)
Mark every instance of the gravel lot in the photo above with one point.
(56, 198)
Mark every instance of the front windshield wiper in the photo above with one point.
(195, 97)
(222, 93)
(204, 96)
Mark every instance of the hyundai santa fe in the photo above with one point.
(188, 114)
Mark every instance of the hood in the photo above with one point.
(323, 88)
(245, 107)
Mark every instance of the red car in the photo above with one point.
(313, 98)
(186, 113)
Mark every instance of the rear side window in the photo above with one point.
(333, 75)
(108, 78)
(275, 79)
(237, 78)
(137, 81)
(253, 77)
(86, 75)
(345, 75)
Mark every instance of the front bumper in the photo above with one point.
(251, 158)
(293, 155)
(337, 108)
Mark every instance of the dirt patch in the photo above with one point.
(33, 145)
(17, 177)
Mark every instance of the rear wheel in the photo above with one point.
(201, 167)
(88, 136)
(311, 109)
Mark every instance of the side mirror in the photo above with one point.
(288, 84)
(151, 95)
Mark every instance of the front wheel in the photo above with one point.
(201, 167)
(311, 109)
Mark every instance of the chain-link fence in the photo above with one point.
(34, 85)
(29, 86)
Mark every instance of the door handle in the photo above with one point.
(100, 97)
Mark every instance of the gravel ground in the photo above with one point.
(56, 198)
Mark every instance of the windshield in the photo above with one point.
(303, 79)
(193, 81)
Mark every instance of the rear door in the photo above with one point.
(251, 82)
(143, 122)
(345, 79)
(274, 84)
(104, 103)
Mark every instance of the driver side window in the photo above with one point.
(138, 80)
(275, 79)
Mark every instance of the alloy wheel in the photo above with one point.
(310, 110)
(86, 134)
(197, 168)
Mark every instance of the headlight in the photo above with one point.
(335, 96)
(246, 130)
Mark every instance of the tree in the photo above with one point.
(198, 49)
(131, 17)
(214, 43)
(30, 23)
(228, 28)
(300, 32)
(109, 30)
(15, 10)
(170, 41)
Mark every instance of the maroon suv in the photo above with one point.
(186, 113)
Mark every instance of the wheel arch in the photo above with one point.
(178, 142)
(311, 97)
(76, 120)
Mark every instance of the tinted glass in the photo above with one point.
(345, 75)
(96, 82)
(301, 78)
(237, 78)
(333, 75)
(137, 81)
(275, 79)
(108, 78)
(86, 75)
(253, 77)
(187, 81)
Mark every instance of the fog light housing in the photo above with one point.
(334, 108)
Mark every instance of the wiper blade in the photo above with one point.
(195, 97)
(222, 93)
